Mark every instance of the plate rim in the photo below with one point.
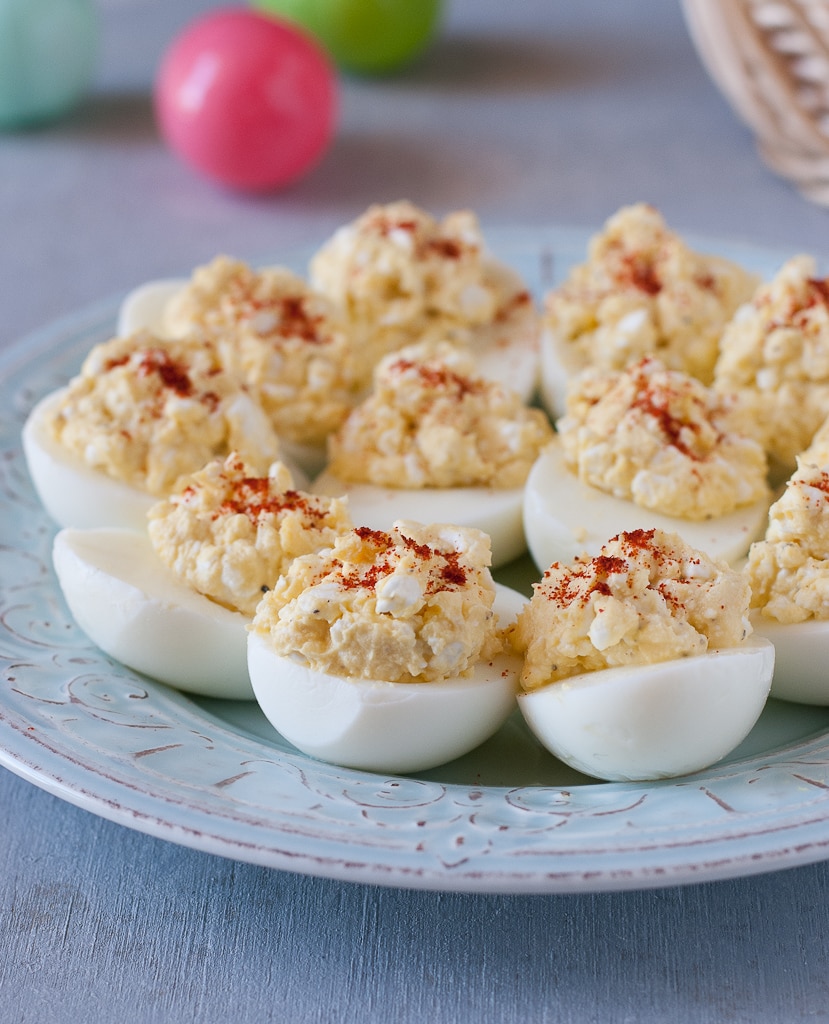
(807, 838)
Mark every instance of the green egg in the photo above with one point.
(369, 37)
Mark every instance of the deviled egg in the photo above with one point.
(174, 601)
(789, 576)
(638, 662)
(401, 276)
(774, 356)
(642, 291)
(285, 341)
(142, 412)
(438, 442)
(384, 652)
(640, 448)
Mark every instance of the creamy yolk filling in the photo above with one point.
(643, 291)
(775, 357)
(285, 340)
(648, 597)
(402, 276)
(432, 422)
(410, 605)
(789, 569)
(147, 410)
(663, 440)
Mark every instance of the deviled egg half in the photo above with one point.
(774, 357)
(142, 412)
(384, 652)
(639, 662)
(646, 447)
(789, 576)
(437, 442)
(641, 291)
(174, 600)
(285, 341)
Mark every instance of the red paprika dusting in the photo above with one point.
(252, 497)
(439, 378)
(819, 289)
(579, 581)
(173, 374)
(296, 322)
(822, 484)
(444, 575)
(513, 303)
(446, 248)
(379, 538)
(637, 540)
(112, 364)
(640, 272)
(452, 573)
(654, 401)
(384, 225)
(817, 294)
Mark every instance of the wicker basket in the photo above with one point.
(770, 58)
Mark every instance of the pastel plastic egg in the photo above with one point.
(370, 37)
(246, 99)
(48, 51)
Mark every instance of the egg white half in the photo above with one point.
(143, 307)
(558, 365)
(383, 726)
(73, 493)
(137, 611)
(496, 512)
(564, 518)
(801, 666)
(508, 352)
(653, 721)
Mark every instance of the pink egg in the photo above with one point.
(246, 99)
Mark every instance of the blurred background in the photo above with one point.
(595, 106)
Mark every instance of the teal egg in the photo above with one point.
(48, 50)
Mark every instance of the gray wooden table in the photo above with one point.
(530, 113)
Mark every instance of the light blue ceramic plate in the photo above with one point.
(213, 775)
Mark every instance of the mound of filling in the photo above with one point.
(410, 605)
(647, 597)
(643, 291)
(430, 421)
(401, 276)
(663, 440)
(789, 569)
(283, 339)
(230, 533)
(147, 410)
(775, 358)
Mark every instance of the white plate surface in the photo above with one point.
(214, 776)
